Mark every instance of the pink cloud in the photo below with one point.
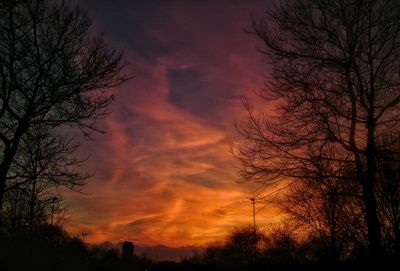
(164, 170)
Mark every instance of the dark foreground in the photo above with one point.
(50, 248)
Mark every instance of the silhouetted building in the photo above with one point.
(127, 249)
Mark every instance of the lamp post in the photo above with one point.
(253, 201)
(52, 209)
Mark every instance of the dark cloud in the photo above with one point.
(131, 24)
(190, 90)
(139, 225)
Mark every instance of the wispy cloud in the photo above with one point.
(164, 171)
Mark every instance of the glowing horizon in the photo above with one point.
(164, 169)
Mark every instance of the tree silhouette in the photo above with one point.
(44, 163)
(328, 209)
(53, 74)
(335, 83)
(388, 193)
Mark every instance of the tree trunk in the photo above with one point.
(3, 175)
(369, 197)
(396, 226)
(8, 157)
(371, 218)
(2, 190)
(32, 208)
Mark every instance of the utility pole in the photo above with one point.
(52, 209)
(253, 201)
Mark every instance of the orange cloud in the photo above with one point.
(164, 170)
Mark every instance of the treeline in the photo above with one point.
(55, 81)
(283, 247)
(329, 141)
(50, 248)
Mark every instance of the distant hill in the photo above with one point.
(164, 253)
(157, 252)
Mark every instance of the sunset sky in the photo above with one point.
(164, 172)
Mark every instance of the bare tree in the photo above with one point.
(53, 74)
(334, 79)
(329, 210)
(388, 193)
(44, 164)
(282, 244)
(23, 214)
(244, 243)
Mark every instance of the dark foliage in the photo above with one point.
(334, 83)
(54, 75)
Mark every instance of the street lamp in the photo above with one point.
(253, 201)
(52, 209)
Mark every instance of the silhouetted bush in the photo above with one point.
(50, 248)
